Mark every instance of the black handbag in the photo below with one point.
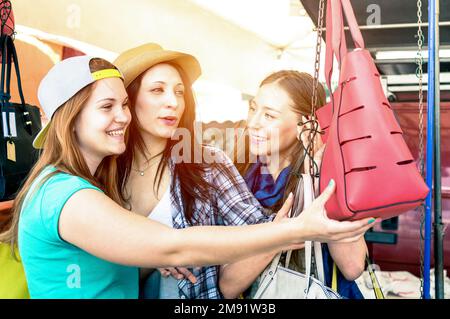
(19, 124)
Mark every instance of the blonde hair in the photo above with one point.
(61, 150)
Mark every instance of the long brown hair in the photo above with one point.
(299, 87)
(191, 176)
(61, 150)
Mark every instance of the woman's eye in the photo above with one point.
(107, 106)
(268, 116)
(251, 109)
(179, 93)
(157, 90)
(125, 105)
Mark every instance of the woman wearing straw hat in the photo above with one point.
(75, 240)
(160, 183)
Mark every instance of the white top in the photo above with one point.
(168, 286)
(163, 210)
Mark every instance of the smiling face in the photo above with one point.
(101, 124)
(271, 122)
(160, 102)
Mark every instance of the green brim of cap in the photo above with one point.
(40, 138)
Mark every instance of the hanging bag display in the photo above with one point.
(365, 152)
(280, 282)
(19, 124)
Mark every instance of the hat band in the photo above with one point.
(106, 73)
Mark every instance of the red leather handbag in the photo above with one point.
(365, 152)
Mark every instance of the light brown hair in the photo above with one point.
(61, 150)
(299, 87)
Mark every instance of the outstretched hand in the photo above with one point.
(318, 227)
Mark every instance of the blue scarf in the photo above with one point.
(261, 183)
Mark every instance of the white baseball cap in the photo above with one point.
(63, 81)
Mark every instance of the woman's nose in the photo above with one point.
(172, 100)
(123, 115)
(254, 121)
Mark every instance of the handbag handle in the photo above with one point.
(9, 52)
(13, 54)
(6, 60)
(353, 24)
(308, 198)
(308, 190)
(334, 24)
(4, 94)
(298, 202)
(335, 35)
(9, 56)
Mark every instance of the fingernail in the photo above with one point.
(290, 195)
(331, 183)
(371, 220)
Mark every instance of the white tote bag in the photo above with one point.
(280, 282)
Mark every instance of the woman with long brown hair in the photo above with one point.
(279, 128)
(75, 239)
(178, 186)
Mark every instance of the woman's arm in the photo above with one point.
(349, 257)
(236, 277)
(93, 222)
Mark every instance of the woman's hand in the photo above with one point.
(178, 273)
(318, 227)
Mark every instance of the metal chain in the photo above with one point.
(419, 74)
(316, 81)
(317, 60)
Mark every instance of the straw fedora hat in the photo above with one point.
(137, 60)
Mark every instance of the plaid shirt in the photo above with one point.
(233, 205)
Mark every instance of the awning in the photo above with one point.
(396, 27)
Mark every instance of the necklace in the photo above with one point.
(141, 171)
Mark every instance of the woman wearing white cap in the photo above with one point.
(76, 241)
(161, 182)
